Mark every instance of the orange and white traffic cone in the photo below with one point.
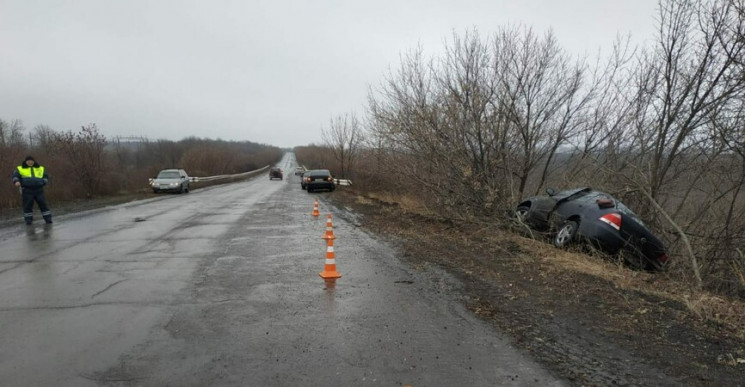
(315, 209)
(329, 229)
(329, 269)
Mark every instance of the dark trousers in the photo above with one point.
(31, 195)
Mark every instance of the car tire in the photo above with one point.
(566, 233)
(633, 258)
(634, 261)
(310, 190)
(521, 213)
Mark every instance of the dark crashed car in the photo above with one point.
(275, 173)
(583, 214)
(317, 179)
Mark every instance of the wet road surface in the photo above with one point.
(221, 287)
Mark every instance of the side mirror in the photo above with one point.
(550, 191)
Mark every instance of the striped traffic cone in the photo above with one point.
(329, 229)
(329, 269)
(315, 209)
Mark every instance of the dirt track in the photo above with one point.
(588, 329)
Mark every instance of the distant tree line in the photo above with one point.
(83, 164)
(497, 118)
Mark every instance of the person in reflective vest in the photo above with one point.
(31, 178)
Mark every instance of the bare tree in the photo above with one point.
(691, 73)
(84, 150)
(344, 137)
(541, 93)
(683, 123)
(12, 143)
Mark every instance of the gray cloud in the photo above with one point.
(264, 71)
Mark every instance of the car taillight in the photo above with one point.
(614, 220)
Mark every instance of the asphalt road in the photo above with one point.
(221, 287)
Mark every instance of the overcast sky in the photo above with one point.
(272, 71)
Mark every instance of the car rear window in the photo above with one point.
(593, 197)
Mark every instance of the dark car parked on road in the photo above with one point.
(275, 173)
(596, 217)
(317, 179)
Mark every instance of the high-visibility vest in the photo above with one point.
(34, 171)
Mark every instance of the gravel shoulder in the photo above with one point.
(590, 321)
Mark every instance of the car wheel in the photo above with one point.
(521, 213)
(187, 189)
(633, 258)
(566, 233)
(155, 191)
(310, 190)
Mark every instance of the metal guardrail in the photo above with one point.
(195, 179)
(233, 176)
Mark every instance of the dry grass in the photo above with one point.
(553, 261)
(704, 305)
(714, 308)
(407, 204)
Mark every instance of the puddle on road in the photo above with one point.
(330, 299)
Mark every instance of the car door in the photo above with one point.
(540, 210)
(184, 179)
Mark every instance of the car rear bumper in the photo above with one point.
(320, 185)
(611, 241)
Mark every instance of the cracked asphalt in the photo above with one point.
(221, 287)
